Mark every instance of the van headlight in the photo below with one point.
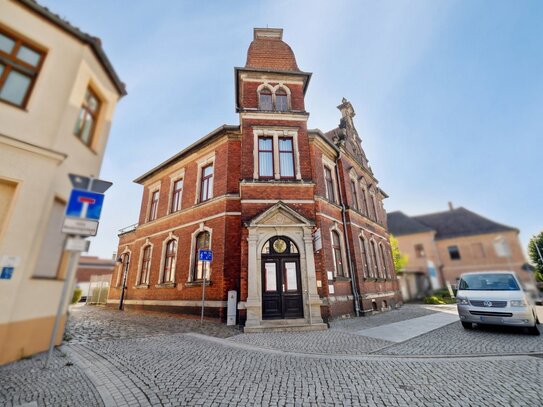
(462, 301)
(518, 303)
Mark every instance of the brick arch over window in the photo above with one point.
(281, 98)
(124, 265)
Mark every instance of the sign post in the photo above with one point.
(82, 215)
(205, 256)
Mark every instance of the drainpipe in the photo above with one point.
(346, 238)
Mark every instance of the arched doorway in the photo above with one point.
(281, 279)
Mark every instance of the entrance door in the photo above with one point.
(281, 280)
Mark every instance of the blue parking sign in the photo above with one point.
(205, 255)
(84, 204)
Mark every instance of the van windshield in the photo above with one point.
(489, 282)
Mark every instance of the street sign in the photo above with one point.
(80, 227)
(84, 204)
(74, 244)
(6, 273)
(205, 255)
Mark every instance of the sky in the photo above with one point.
(448, 94)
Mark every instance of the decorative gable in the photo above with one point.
(280, 215)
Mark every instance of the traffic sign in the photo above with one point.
(205, 255)
(84, 204)
(80, 227)
(74, 244)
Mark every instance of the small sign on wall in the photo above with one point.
(7, 266)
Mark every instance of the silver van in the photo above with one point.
(495, 298)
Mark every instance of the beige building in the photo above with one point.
(451, 243)
(58, 92)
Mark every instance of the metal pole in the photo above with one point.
(203, 293)
(124, 281)
(72, 265)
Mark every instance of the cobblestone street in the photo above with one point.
(151, 359)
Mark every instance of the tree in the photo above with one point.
(400, 259)
(534, 255)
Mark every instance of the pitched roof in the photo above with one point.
(400, 224)
(460, 222)
(268, 51)
(94, 42)
(448, 224)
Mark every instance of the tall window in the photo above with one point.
(375, 263)
(176, 195)
(169, 262)
(19, 67)
(365, 209)
(202, 243)
(336, 248)
(265, 99)
(329, 182)
(206, 186)
(373, 211)
(384, 271)
(286, 158)
(145, 265)
(354, 195)
(88, 115)
(281, 100)
(364, 257)
(265, 157)
(153, 211)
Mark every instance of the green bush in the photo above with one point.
(443, 293)
(78, 292)
(433, 300)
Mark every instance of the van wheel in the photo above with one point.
(534, 330)
(468, 325)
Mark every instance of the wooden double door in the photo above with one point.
(281, 287)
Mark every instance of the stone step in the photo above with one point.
(275, 326)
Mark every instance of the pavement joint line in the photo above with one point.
(460, 357)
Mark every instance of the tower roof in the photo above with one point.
(268, 51)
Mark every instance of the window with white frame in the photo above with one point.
(145, 265)
(177, 194)
(265, 157)
(206, 183)
(374, 262)
(384, 268)
(276, 154)
(265, 99)
(153, 209)
(168, 270)
(203, 242)
(354, 195)
(281, 100)
(273, 98)
(365, 208)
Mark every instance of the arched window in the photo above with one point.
(336, 249)
(169, 262)
(202, 243)
(123, 269)
(374, 262)
(281, 100)
(145, 265)
(265, 99)
(364, 257)
(373, 211)
(364, 208)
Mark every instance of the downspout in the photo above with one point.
(345, 237)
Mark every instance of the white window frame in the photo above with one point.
(176, 176)
(201, 163)
(276, 134)
(273, 89)
(152, 189)
(139, 282)
(170, 236)
(193, 259)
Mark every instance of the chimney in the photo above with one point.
(451, 207)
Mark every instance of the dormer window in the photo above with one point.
(265, 99)
(281, 100)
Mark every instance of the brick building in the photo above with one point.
(447, 244)
(258, 194)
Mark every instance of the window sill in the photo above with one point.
(20, 107)
(86, 145)
(166, 285)
(141, 286)
(341, 278)
(197, 283)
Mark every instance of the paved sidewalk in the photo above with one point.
(404, 330)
